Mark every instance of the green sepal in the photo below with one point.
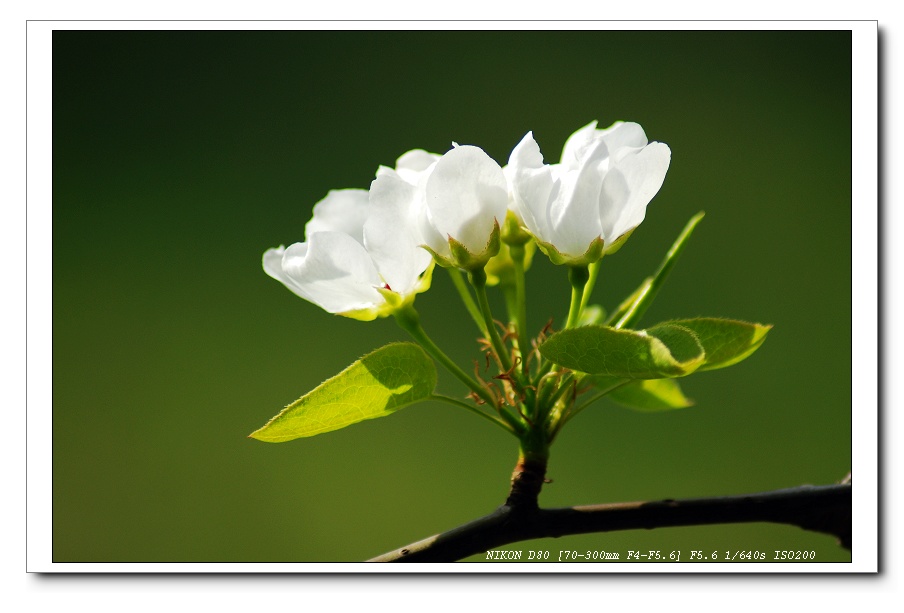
(725, 341)
(462, 258)
(393, 300)
(617, 243)
(665, 350)
(594, 253)
(513, 233)
(377, 385)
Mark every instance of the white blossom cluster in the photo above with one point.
(368, 252)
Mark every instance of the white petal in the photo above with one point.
(629, 187)
(391, 233)
(412, 165)
(272, 261)
(333, 271)
(466, 194)
(532, 184)
(623, 134)
(416, 160)
(343, 210)
(576, 143)
(574, 213)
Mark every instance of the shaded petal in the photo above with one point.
(333, 271)
(629, 187)
(466, 195)
(391, 233)
(342, 210)
(533, 186)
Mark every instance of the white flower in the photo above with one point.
(360, 260)
(593, 199)
(456, 200)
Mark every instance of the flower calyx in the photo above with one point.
(461, 257)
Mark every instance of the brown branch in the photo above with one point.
(824, 509)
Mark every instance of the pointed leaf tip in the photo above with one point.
(725, 341)
(377, 385)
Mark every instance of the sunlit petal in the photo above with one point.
(333, 271)
(466, 194)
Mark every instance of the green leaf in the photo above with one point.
(631, 310)
(651, 395)
(666, 350)
(725, 341)
(378, 384)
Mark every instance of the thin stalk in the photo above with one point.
(579, 276)
(475, 410)
(563, 388)
(544, 389)
(520, 315)
(478, 280)
(409, 320)
(511, 302)
(517, 377)
(550, 394)
(591, 283)
(458, 281)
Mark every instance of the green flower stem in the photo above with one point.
(470, 407)
(409, 320)
(564, 386)
(553, 414)
(591, 283)
(545, 385)
(510, 293)
(520, 315)
(543, 382)
(511, 299)
(478, 278)
(459, 281)
(579, 277)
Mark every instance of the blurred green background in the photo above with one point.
(179, 157)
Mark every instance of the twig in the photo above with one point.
(824, 509)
